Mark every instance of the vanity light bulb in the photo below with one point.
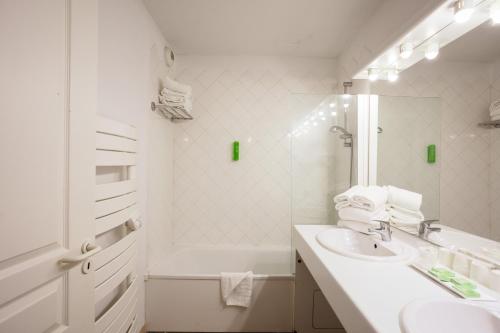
(372, 74)
(495, 13)
(392, 75)
(462, 11)
(321, 113)
(333, 114)
(432, 51)
(331, 105)
(346, 105)
(406, 50)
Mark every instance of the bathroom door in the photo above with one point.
(47, 68)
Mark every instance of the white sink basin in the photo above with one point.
(454, 316)
(367, 247)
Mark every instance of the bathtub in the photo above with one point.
(183, 291)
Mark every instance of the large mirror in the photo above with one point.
(436, 135)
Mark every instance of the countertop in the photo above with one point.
(366, 296)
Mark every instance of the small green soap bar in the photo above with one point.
(460, 282)
(431, 154)
(467, 292)
(236, 151)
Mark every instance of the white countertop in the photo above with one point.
(366, 296)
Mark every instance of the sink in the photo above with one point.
(457, 316)
(353, 244)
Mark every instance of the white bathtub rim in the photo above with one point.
(215, 276)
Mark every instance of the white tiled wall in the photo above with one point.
(216, 200)
(464, 88)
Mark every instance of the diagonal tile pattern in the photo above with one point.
(245, 99)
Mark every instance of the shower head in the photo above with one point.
(336, 129)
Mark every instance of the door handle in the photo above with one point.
(88, 250)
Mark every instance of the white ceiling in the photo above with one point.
(479, 45)
(317, 28)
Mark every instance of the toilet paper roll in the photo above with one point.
(461, 264)
(445, 257)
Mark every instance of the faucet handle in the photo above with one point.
(425, 227)
(429, 222)
(383, 224)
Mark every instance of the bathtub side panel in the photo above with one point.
(182, 305)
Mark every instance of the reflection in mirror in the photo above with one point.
(450, 103)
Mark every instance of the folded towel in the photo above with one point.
(403, 198)
(496, 117)
(371, 198)
(362, 215)
(342, 204)
(176, 86)
(347, 195)
(172, 95)
(236, 288)
(358, 226)
(401, 212)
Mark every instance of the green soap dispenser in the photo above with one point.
(431, 154)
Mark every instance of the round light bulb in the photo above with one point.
(406, 50)
(333, 114)
(392, 75)
(463, 11)
(372, 74)
(331, 105)
(432, 51)
(495, 13)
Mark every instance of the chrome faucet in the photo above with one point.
(425, 228)
(384, 230)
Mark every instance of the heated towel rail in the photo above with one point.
(116, 207)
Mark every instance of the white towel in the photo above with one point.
(362, 215)
(495, 117)
(404, 213)
(236, 288)
(176, 86)
(403, 198)
(343, 204)
(371, 198)
(347, 195)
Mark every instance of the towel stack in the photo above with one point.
(403, 207)
(495, 110)
(359, 206)
(176, 96)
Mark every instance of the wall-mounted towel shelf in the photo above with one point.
(490, 124)
(170, 112)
